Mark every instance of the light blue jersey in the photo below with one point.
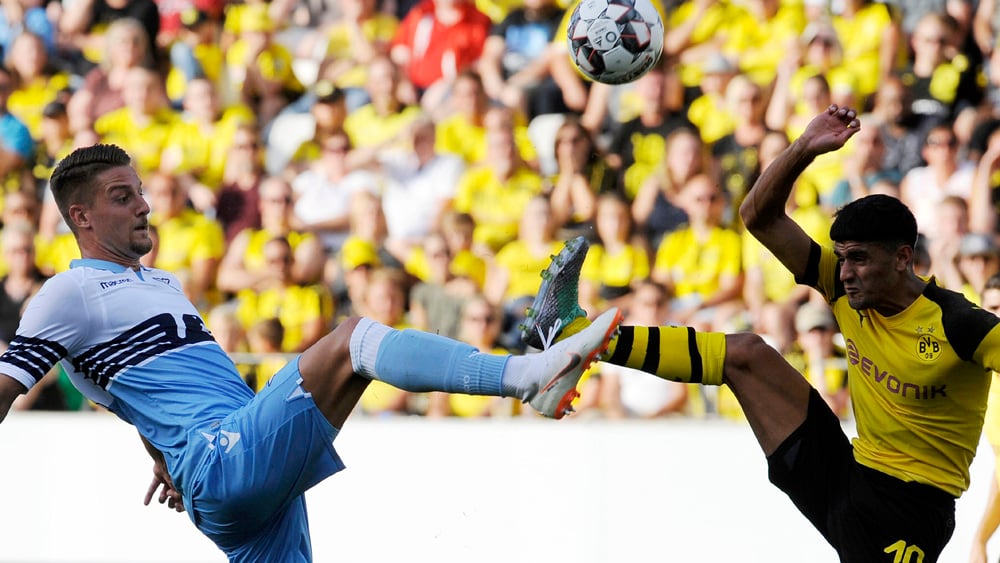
(132, 342)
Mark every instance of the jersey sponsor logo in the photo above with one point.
(35, 356)
(165, 281)
(153, 337)
(114, 283)
(893, 384)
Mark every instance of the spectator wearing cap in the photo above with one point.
(818, 357)
(357, 258)
(817, 353)
(360, 35)
(979, 260)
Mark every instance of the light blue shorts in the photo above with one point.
(247, 491)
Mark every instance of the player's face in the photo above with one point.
(870, 273)
(118, 218)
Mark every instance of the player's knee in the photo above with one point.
(746, 351)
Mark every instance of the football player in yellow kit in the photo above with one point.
(919, 367)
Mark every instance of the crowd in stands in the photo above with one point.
(419, 161)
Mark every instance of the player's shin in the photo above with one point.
(418, 361)
(674, 353)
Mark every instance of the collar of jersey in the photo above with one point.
(100, 265)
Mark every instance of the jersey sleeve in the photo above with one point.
(53, 324)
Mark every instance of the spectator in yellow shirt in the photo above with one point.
(260, 68)
(305, 311)
(361, 34)
(191, 244)
(701, 263)
(144, 124)
(497, 192)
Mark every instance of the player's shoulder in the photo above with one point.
(965, 323)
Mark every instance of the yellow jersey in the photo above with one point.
(695, 265)
(496, 205)
(189, 236)
(918, 379)
(27, 102)
(143, 141)
(522, 267)
(293, 305)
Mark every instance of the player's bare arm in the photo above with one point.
(763, 211)
(9, 390)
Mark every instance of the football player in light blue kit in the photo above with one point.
(239, 463)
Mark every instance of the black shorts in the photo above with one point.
(866, 515)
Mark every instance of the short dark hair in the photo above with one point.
(72, 181)
(875, 218)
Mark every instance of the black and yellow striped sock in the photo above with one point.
(676, 353)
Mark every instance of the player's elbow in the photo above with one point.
(752, 218)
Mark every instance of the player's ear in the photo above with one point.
(79, 214)
(904, 257)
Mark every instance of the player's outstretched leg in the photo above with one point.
(418, 361)
(556, 310)
(674, 353)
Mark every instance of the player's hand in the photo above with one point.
(829, 130)
(168, 494)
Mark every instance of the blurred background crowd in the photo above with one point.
(419, 161)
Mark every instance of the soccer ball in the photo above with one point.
(615, 41)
